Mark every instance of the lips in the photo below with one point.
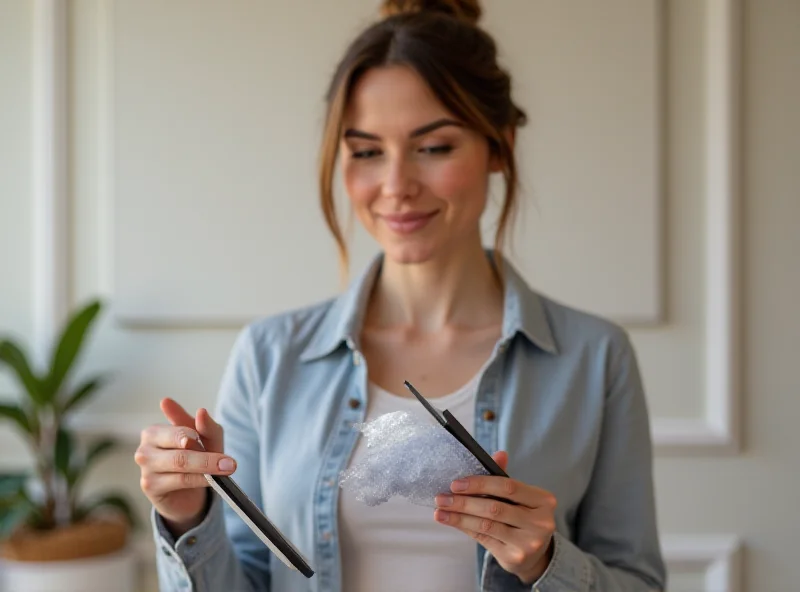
(408, 222)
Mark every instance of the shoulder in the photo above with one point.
(580, 331)
(572, 322)
(595, 347)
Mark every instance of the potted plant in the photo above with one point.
(48, 532)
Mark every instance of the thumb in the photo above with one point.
(501, 458)
(210, 431)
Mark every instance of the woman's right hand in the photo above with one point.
(173, 465)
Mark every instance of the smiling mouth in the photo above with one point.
(408, 222)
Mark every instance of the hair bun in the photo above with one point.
(464, 10)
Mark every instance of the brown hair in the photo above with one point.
(441, 41)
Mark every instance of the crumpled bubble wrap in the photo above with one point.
(407, 457)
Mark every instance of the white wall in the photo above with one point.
(191, 122)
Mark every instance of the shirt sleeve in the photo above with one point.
(222, 553)
(201, 560)
(616, 544)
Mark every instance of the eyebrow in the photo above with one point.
(420, 131)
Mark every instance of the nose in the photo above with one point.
(400, 178)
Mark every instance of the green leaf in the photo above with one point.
(95, 451)
(17, 415)
(98, 449)
(73, 476)
(63, 452)
(82, 394)
(69, 345)
(12, 355)
(13, 517)
(11, 484)
(15, 505)
(116, 501)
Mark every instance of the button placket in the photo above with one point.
(485, 403)
(337, 456)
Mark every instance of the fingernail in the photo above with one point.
(184, 442)
(442, 516)
(226, 464)
(459, 485)
(445, 500)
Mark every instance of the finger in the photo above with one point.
(508, 556)
(210, 430)
(188, 461)
(168, 436)
(501, 458)
(495, 546)
(506, 488)
(503, 533)
(160, 484)
(176, 414)
(518, 516)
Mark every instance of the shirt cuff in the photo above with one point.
(195, 545)
(569, 569)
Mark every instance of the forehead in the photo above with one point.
(392, 100)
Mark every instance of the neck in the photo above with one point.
(461, 291)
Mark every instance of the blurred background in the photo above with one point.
(161, 156)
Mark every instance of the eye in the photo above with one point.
(443, 149)
(365, 153)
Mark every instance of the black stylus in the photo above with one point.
(261, 526)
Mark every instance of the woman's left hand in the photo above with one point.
(519, 536)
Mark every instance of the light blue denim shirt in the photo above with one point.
(562, 394)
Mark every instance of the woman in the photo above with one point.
(419, 116)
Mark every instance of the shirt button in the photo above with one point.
(326, 535)
(354, 403)
(356, 358)
(488, 415)
(191, 540)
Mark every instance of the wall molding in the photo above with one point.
(50, 210)
(649, 311)
(716, 432)
(719, 557)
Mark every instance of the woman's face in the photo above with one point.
(416, 178)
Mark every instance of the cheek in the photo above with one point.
(362, 183)
(461, 182)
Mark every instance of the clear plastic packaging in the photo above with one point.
(407, 457)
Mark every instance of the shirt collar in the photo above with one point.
(523, 313)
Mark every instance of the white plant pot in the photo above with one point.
(115, 571)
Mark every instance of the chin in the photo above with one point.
(406, 254)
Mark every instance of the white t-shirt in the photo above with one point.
(397, 545)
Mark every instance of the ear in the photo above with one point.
(495, 162)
